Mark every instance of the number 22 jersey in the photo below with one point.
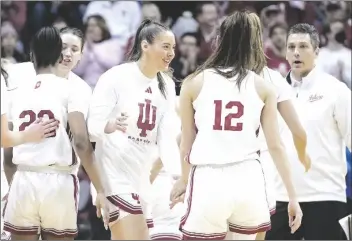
(47, 97)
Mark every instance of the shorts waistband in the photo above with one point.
(47, 169)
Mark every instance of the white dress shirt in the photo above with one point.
(323, 105)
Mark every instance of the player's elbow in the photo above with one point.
(81, 143)
(276, 147)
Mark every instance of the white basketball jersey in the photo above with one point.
(227, 119)
(48, 97)
(284, 92)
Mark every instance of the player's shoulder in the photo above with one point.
(118, 73)
(79, 83)
(20, 74)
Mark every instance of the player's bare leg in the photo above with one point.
(260, 236)
(131, 227)
(24, 237)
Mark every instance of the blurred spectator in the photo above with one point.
(9, 40)
(122, 17)
(101, 51)
(207, 17)
(59, 23)
(151, 11)
(185, 24)
(275, 49)
(335, 10)
(335, 58)
(15, 12)
(271, 15)
(186, 62)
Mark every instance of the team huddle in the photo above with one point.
(154, 179)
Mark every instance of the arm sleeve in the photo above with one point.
(79, 99)
(342, 113)
(168, 130)
(102, 103)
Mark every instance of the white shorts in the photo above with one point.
(122, 205)
(42, 202)
(4, 190)
(225, 198)
(269, 174)
(166, 220)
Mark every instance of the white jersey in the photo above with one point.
(4, 102)
(227, 119)
(284, 92)
(46, 96)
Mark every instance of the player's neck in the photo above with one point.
(146, 70)
(62, 74)
(46, 70)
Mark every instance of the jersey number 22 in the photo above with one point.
(33, 116)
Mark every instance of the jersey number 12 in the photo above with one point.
(227, 125)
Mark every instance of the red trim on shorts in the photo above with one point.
(32, 230)
(150, 223)
(272, 211)
(75, 190)
(113, 216)
(166, 236)
(189, 199)
(117, 201)
(202, 236)
(248, 229)
(66, 233)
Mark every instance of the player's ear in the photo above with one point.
(144, 45)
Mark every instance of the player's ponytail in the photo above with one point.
(147, 31)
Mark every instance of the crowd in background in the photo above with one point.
(109, 28)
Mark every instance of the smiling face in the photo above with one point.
(71, 51)
(301, 54)
(161, 51)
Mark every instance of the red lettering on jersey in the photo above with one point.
(37, 85)
(33, 116)
(136, 197)
(144, 113)
(228, 118)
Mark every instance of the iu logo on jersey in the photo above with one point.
(147, 117)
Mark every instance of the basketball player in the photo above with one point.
(285, 108)
(166, 220)
(44, 190)
(34, 133)
(222, 106)
(144, 98)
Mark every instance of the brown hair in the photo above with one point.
(258, 61)
(102, 25)
(234, 49)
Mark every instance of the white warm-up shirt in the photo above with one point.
(323, 105)
(150, 121)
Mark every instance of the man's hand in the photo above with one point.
(40, 129)
(102, 209)
(116, 124)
